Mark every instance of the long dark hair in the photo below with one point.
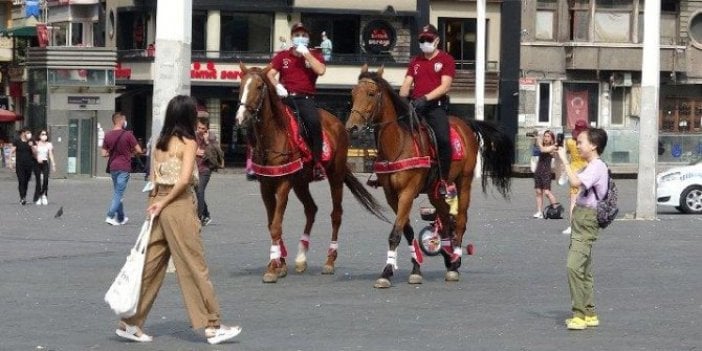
(180, 121)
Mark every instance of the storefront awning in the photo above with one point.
(9, 116)
(26, 31)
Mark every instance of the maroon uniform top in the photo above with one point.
(121, 152)
(427, 73)
(296, 74)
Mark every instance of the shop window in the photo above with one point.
(544, 103)
(246, 32)
(681, 115)
(546, 19)
(618, 99)
(579, 20)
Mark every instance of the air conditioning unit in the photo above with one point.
(620, 79)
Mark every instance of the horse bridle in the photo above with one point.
(368, 115)
(255, 111)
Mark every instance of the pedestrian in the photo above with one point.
(23, 153)
(546, 144)
(592, 182)
(577, 162)
(431, 73)
(44, 152)
(205, 140)
(326, 47)
(119, 146)
(176, 231)
(299, 68)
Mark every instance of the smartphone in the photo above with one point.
(559, 139)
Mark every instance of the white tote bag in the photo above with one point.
(123, 295)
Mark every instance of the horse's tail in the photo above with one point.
(497, 150)
(363, 196)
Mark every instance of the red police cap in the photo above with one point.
(429, 31)
(297, 27)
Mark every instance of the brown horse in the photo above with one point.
(273, 149)
(377, 107)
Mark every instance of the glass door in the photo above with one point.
(81, 143)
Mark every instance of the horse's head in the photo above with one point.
(252, 92)
(366, 98)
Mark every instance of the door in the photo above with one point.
(81, 143)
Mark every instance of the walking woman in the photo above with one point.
(542, 175)
(44, 151)
(23, 152)
(176, 230)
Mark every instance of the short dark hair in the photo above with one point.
(24, 130)
(181, 117)
(204, 121)
(597, 137)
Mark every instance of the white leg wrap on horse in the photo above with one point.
(413, 251)
(334, 245)
(392, 259)
(457, 251)
(302, 247)
(275, 252)
(305, 239)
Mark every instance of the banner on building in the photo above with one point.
(42, 35)
(576, 106)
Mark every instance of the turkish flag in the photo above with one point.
(576, 107)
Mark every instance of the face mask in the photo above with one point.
(427, 48)
(297, 41)
(124, 125)
(43, 138)
(29, 136)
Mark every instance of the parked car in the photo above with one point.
(681, 187)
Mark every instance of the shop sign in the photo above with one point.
(378, 36)
(210, 71)
(122, 72)
(84, 100)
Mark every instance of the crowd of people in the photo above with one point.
(183, 156)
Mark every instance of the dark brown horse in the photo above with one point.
(377, 107)
(274, 149)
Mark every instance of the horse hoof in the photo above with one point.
(270, 278)
(451, 276)
(283, 272)
(327, 269)
(382, 283)
(300, 267)
(415, 279)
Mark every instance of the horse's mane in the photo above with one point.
(401, 108)
(276, 106)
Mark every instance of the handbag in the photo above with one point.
(123, 295)
(109, 159)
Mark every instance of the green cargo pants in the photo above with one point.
(580, 278)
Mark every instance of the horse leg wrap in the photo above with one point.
(332, 248)
(392, 259)
(302, 246)
(275, 254)
(457, 252)
(416, 251)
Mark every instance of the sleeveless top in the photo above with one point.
(43, 151)
(167, 172)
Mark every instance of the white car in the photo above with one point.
(681, 187)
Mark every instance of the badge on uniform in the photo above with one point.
(438, 66)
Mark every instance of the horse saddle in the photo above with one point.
(299, 142)
(457, 147)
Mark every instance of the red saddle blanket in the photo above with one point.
(457, 148)
(457, 153)
(299, 142)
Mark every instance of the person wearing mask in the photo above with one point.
(299, 68)
(204, 140)
(44, 152)
(592, 182)
(326, 47)
(23, 153)
(431, 74)
(577, 162)
(176, 231)
(118, 147)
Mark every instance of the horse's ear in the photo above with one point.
(364, 68)
(242, 67)
(380, 71)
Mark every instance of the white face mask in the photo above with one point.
(43, 138)
(297, 41)
(428, 48)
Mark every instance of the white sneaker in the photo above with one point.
(566, 231)
(563, 179)
(111, 221)
(538, 215)
(38, 202)
(133, 333)
(124, 221)
(44, 200)
(221, 334)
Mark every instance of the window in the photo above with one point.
(669, 22)
(544, 108)
(342, 30)
(545, 19)
(579, 20)
(618, 100)
(460, 38)
(59, 34)
(249, 32)
(612, 21)
(199, 30)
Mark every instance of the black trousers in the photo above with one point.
(41, 172)
(307, 111)
(437, 119)
(24, 173)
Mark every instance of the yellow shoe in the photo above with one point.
(592, 321)
(453, 205)
(576, 323)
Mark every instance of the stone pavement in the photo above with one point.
(513, 293)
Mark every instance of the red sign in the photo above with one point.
(210, 72)
(122, 72)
